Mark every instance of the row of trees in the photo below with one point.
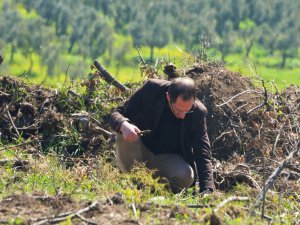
(88, 27)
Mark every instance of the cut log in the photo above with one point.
(108, 77)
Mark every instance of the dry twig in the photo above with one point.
(140, 56)
(233, 97)
(18, 145)
(277, 172)
(86, 220)
(134, 210)
(273, 177)
(277, 139)
(265, 99)
(230, 199)
(62, 217)
(3, 93)
(12, 122)
(197, 206)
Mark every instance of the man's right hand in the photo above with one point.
(129, 132)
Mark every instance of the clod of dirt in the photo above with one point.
(170, 71)
(116, 199)
(213, 219)
(18, 164)
(26, 114)
(233, 212)
(226, 181)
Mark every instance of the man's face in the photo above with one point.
(180, 108)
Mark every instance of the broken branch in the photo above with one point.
(230, 199)
(233, 97)
(140, 56)
(3, 93)
(197, 206)
(12, 122)
(265, 99)
(108, 77)
(62, 217)
(103, 131)
(277, 172)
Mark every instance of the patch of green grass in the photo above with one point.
(282, 77)
(101, 179)
(49, 175)
(75, 67)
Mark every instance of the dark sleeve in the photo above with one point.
(127, 110)
(202, 153)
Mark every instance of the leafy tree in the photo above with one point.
(63, 18)
(47, 9)
(119, 54)
(281, 32)
(90, 25)
(152, 26)
(227, 39)
(28, 4)
(30, 42)
(122, 14)
(249, 33)
(203, 23)
(92, 34)
(260, 11)
(10, 26)
(50, 55)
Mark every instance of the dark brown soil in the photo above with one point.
(37, 209)
(215, 86)
(237, 116)
(48, 116)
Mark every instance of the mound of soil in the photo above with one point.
(51, 118)
(242, 117)
(215, 86)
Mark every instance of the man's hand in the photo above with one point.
(129, 132)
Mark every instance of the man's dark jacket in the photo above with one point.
(144, 110)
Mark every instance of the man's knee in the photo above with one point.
(182, 179)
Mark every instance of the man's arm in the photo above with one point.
(129, 131)
(120, 118)
(202, 153)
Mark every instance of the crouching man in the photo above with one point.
(178, 146)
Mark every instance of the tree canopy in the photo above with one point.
(88, 28)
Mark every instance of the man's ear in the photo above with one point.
(168, 96)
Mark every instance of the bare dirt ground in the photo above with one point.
(38, 209)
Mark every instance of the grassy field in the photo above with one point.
(267, 68)
(74, 67)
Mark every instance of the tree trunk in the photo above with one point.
(222, 53)
(12, 53)
(284, 58)
(30, 63)
(151, 53)
(248, 48)
(71, 45)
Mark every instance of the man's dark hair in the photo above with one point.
(182, 86)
